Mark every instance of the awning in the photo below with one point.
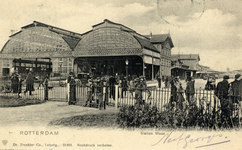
(187, 69)
(148, 60)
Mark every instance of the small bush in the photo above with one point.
(146, 116)
(139, 116)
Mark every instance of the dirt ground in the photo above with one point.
(41, 115)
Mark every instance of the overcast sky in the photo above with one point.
(211, 28)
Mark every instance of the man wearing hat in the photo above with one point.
(29, 82)
(236, 90)
(139, 86)
(190, 90)
(222, 93)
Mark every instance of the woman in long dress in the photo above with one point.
(14, 83)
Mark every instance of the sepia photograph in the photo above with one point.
(120, 74)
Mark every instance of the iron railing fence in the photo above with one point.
(20, 90)
(59, 90)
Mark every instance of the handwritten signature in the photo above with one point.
(167, 138)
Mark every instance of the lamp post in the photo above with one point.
(127, 63)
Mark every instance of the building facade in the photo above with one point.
(164, 44)
(107, 49)
(184, 65)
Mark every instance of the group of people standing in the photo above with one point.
(126, 85)
(177, 99)
(17, 81)
(229, 94)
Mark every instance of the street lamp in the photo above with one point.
(127, 63)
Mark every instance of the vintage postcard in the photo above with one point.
(120, 74)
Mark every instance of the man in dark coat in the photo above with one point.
(29, 82)
(190, 90)
(173, 98)
(222, 93)
(112, 82)
(236, 89)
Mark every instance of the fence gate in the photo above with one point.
(57, 91)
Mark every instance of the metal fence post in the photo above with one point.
(46, 90)
(72, 93)
(116, 96)
(104, 96)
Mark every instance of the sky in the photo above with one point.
(210, 28)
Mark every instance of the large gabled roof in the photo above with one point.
(146, 44)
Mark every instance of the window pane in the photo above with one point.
(64, 70)
(64, 62)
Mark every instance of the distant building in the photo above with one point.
(184, 65)
(205, 71)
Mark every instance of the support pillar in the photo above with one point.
(116, 97)
(143, 69)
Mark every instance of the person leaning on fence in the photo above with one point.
(222, 93)
(190, 90)
(29, 82)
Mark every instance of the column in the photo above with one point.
(143, 68)
(152, 69)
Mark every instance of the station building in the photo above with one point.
(107, 49)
